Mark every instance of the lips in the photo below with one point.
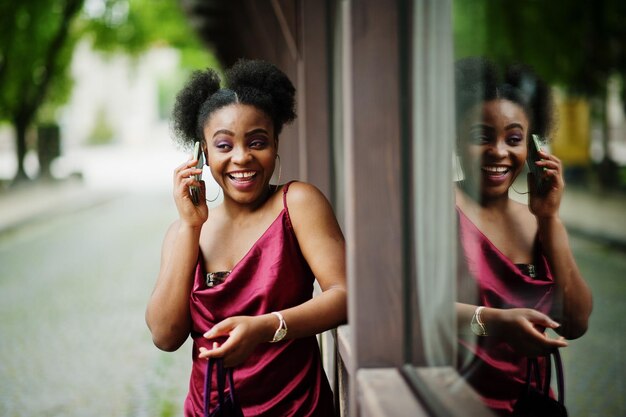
(242, 176)
(495, 170)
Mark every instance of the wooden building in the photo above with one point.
(375, 133)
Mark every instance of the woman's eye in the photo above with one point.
(224, 146)
(515, 140)
(479, 138)
(258, 144)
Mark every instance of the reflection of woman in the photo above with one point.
(237, 278)
(518, 254)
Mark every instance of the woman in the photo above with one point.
(241, 277)
(518, 255)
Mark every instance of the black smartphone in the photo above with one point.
(199, 156)
(536, 144)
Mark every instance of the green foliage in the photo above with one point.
(34, 77)
(34, 55)
(572, 43)
(37, 39)
(132, 26)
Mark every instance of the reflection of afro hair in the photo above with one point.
(255, 83)
(478, 80)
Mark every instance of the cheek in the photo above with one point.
(471, 155)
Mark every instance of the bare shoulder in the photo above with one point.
(309, 209)
(521, 213)
(305, 198)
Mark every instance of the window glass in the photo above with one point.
(578, 50)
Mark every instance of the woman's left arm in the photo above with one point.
(323, 247)
(573, 301)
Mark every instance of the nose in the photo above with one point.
(241, 155)
(498, 149)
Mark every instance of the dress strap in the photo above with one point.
(285, 189)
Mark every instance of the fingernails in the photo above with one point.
(214, 345)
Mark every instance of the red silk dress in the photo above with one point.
(278, 379)
(496, 372)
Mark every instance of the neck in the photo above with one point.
(234, 209)
(469, 197)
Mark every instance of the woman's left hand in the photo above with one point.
(547, 204)
(243, 334)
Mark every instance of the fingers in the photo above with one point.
(184, 174)
(559, 342)
(222, 328)
(540, 319)
(540, 342)
(237, 340)
(206, 353)
(231, 351)
(217, 350)
(553, 165)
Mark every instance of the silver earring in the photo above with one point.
(513, 187)
(218, 190)
(279, 171)
(216, 197)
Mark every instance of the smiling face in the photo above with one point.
(241, 152)
(492, 145)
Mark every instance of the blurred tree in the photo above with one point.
(131, 26)
(35, 50)
(37, 38)
(574, 44)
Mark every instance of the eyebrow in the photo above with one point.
(248, 134)
(223, 132)
(256, 131)
(514, 126)
(481, 126)
(507, 127)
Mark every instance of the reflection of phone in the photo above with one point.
(536, 144)
(195, 190)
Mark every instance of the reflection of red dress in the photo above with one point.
(497, 373)
(278, 379)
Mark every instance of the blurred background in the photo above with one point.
(86, 159)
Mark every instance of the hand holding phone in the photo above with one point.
(535, 145)
(195, 190)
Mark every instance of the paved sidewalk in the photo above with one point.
(595, 215)
(38, 200)
(590, 214)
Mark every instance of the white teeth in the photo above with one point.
(242, 175)
(496, 170)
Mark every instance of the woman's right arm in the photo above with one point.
(167, 314)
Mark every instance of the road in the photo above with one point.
(595, 368)
(73, 341)
(73, 290)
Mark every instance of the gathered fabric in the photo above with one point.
(490, 279)
(277, 379)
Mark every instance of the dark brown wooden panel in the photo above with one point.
(374, 185)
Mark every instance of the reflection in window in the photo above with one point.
(581, 58)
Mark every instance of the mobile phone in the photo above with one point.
(536, 144)
(195, 190)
